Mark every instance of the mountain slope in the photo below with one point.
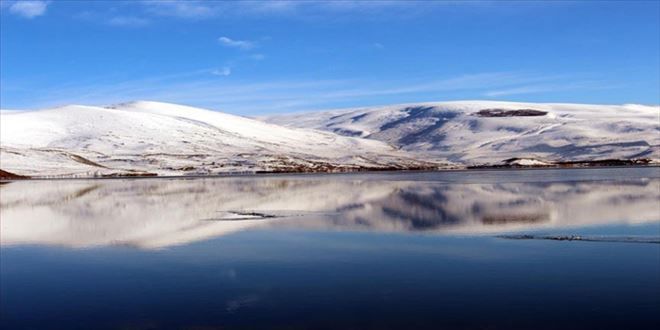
(480, 132)
(158, 138)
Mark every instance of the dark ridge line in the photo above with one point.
(570, 164)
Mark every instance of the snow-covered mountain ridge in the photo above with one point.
(489, 132)
(153, 138)
(141, 138)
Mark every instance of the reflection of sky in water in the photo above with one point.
(349, 251)
(315, 279)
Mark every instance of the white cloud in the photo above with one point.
(181, 9)
(240, 44)
(128, 21)
(224, 72)
(29, 9)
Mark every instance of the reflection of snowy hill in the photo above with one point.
(158, 213)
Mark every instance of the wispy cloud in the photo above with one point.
(29, 9)
(240, 44)
(128, 21)
(309, 9)
(224, 71)
(181, 9)
(465, 82)
(549, 87)
(519, 90)
(200, 88)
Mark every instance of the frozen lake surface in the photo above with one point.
(569, 249)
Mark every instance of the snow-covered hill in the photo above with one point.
(482, 132)
(138, 138)
(147, 138)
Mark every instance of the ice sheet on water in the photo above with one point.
(586, 238)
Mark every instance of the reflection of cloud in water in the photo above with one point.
(155, 213)
(241, 302)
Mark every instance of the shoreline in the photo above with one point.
(494, 168)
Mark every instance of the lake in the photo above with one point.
(542, 249)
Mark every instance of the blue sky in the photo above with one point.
(268, 57)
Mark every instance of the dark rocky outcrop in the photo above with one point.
(510, 113)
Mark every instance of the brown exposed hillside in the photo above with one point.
(4, 175)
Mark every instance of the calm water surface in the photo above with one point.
(389, 250)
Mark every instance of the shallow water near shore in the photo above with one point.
(464, 249)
